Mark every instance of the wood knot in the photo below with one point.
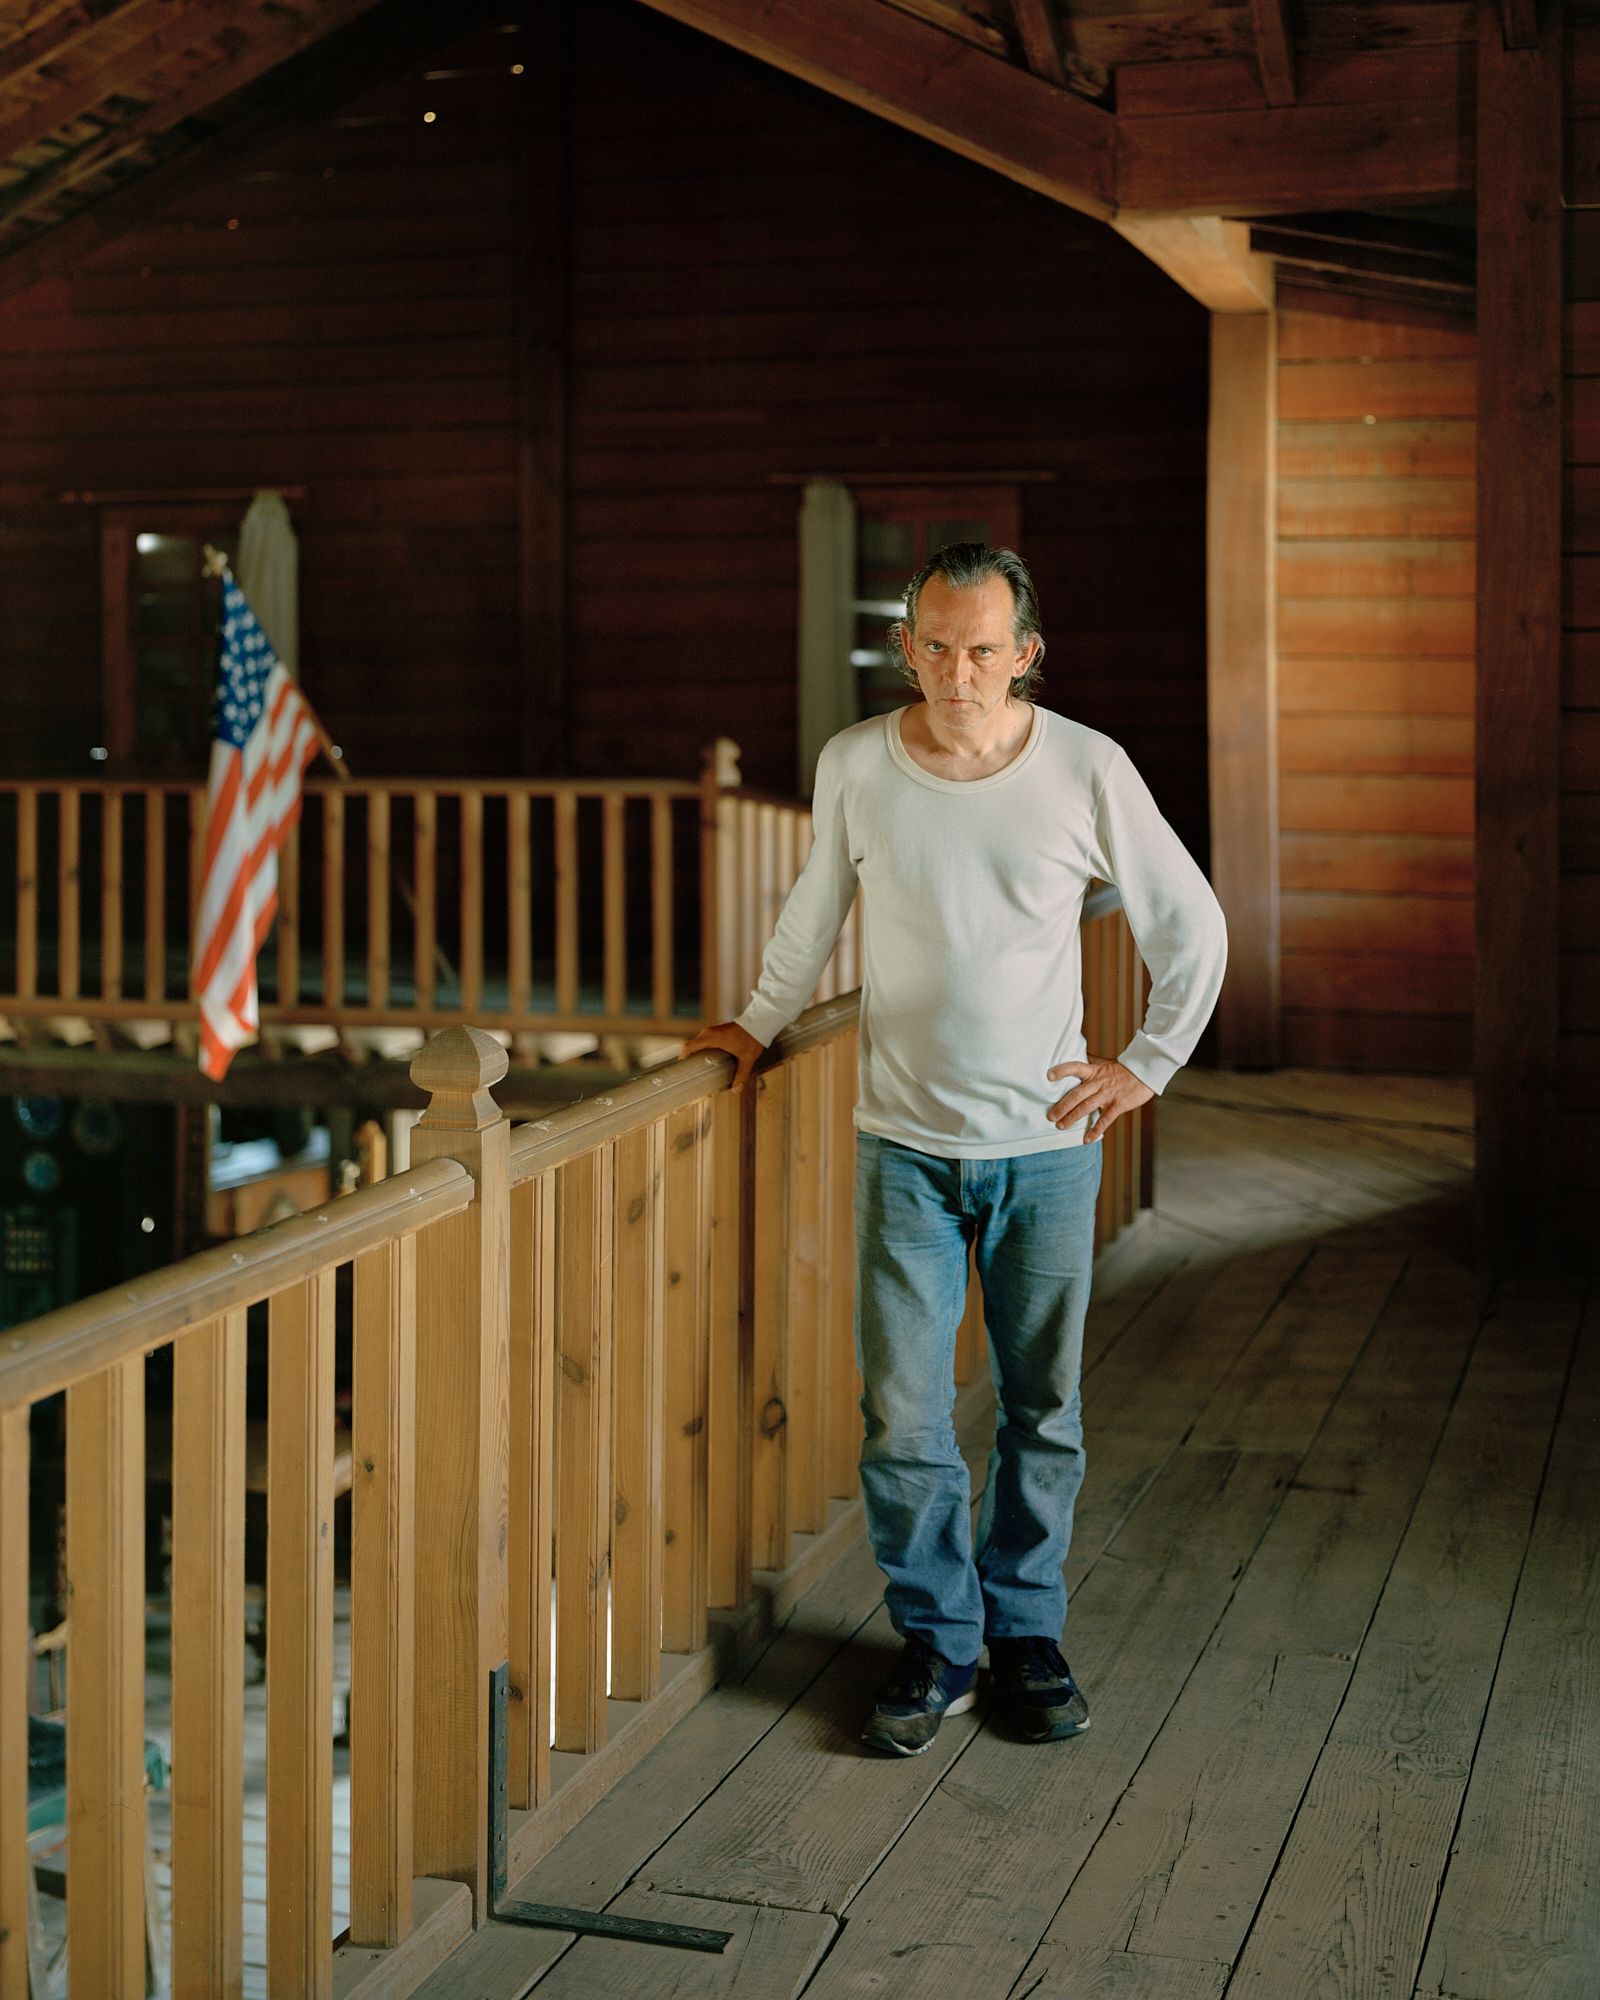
(622, 1510)
(572, 1370)
(636, 1208)
(683, 1142)
(694, 1427)
(773, 1416)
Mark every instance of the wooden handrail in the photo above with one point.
(546, 1143)
(66, 1346)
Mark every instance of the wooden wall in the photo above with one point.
(769, 282)
(1375, 691)
(764, 284)
(336, 313)
(1579, 1135)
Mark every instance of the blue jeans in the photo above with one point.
(1032, 1218)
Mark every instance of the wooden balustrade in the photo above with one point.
(604, 1401)
(632, 907)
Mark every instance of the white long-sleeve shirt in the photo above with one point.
(972, 976)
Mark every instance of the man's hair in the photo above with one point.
(966, 566)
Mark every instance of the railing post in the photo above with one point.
(719, 944)
(463, 1361)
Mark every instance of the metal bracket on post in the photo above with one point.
(554, 1916)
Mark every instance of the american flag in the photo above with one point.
(263, 737)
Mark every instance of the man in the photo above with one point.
(974, 821)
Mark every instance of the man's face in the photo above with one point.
(963, 651)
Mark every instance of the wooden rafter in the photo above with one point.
(281, 40)
(1046, 51)
(1274, 50)
(407, 33)
(54, 35)
(920, 78)
(172, 29)
(1519, 22)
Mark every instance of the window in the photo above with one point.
(161, 620)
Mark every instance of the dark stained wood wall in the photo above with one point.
(763, 282)
(767, 281)
(1579, 1134)
(337, 314)
(1375, 691)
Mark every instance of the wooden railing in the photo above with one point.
(618, 906)
(604, 1391)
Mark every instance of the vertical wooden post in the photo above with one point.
(614, 907)
(463, 1361)
(532, 1497)
(662, 998)
(642, 1250)
(425, 837)
(686, 1412)
(565, 808)
(208, 1409)
(383, 1593)
(105, 1704)
(720, 963)
(471, 900)
(27, 891)
(767, 1260)
(728, 1402)
(288, 923)
(1242, 676)
(1517, 736)
(155, 894)
(68, 876)
(809, 1246)
(300, 1639)
(844, 1379)
(111, 893)
(16, 1868)
(519, 901)
(585, 1304)
(377, 897)
(333, 898)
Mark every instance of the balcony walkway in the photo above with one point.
(1336, 1597)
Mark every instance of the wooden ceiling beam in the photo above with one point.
(1212, 259)
(929, 83)
(1296, 158)
(208, 87)
(1274, 50)
(1045, 50)
(56, 34)
(1428, 274)
(176, 28)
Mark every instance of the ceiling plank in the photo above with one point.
(889, 63)
(55, 35)
(1428, 274)
(1209, 257)
(1040, 31)
(209, 87)
(1300, 157)
(177, 28)
(351, 61)
(1274, 50)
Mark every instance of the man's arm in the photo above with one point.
(807, 929)
(1175, 917)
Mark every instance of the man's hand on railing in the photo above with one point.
(1104, 1085)
(729, 1039)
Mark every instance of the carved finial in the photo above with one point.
(721, 761)
(457, 1069)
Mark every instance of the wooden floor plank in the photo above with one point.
(1520, 1908)
(771, 1955)
(1350, 1900)
(1181, 1867)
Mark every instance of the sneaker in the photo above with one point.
(1036, 1691)
(923, 1689)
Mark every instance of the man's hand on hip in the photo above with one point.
(729, 1039)
(1105, 1086)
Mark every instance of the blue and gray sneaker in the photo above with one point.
(923, 1689)
(1035, 1689)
